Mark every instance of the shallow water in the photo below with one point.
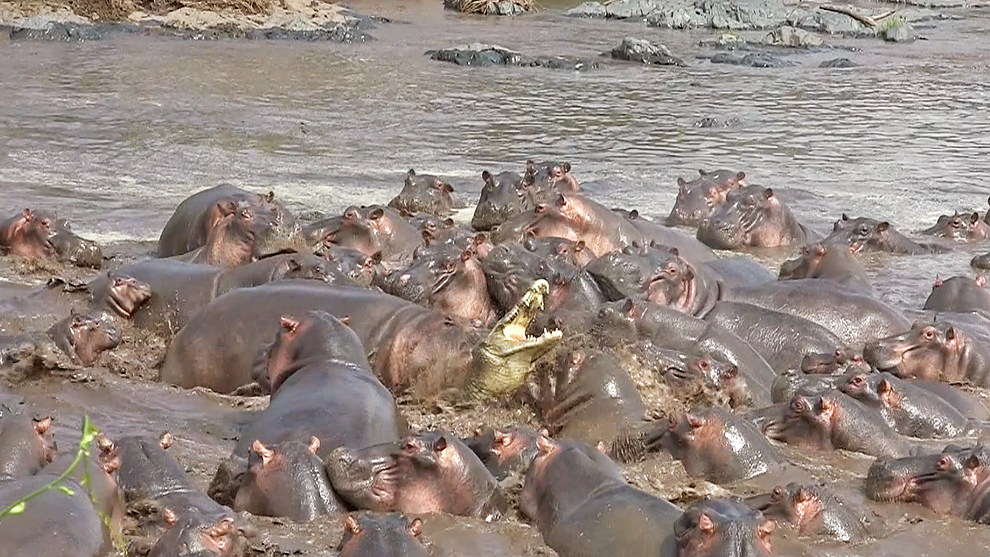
(113, 134)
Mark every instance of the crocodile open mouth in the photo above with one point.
(514, 324)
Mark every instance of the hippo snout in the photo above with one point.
(882, 355)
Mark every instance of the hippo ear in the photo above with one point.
(950, 334)
(440, 444)
(352, 525)
(845, 216)
(972, 463)
(884, 387)
(634, 214)
(415, 527)
(165, 441)
(268, 197)
(675, 252)
(628, 306)
(544, 444)
(376, 213)
(566, 167)
(768, 193)
(681, 184)
(702, 172)
(411, 172)
(169, 517)
(427, 240)
(26, 214)
(262, 451)
(705, 524)
(376, 258)
(740, 176)
(486, 176)
(938, 282)
(601, 447)
(883, 227)
(579, 246)
(981, 281)
(802, 495)
(766, 529)
(289, 324)
(561, 201)
(345, 319)
(826, 406)
(314, 445)
(974, 218)
(694, 421)
(42, 426)
(226, 207)
(447, 223)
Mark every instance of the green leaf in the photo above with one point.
(18, 508)
(66, 490)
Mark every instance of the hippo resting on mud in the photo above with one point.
(42, 234)
(410, 347)
(80, 337)
(164, 294)
(199, 216)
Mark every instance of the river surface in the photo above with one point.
(115, 133)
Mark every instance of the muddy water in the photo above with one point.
(114, 134)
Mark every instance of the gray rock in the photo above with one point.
(838, 63)
(638, 50)
(827, 22)
(480, 54)
(898, 31)
(792, 37)
(626, 9)
(720, 14)
(754, 60)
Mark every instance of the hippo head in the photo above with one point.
(866, 388)
(698, 198)
(689, 376)
(28, 445)
(958, 481)
(959, 294)
(425, 193)
(959, 227)
(451, 280)
(717, 527)
(436, 231)
(366, 478)
(794, 503)
(811, 420)
(369, 229)
(510, 270)
(190, 534)
(563, 217)
(616, 321)
(673, 282)
(358, 267)
(908, 479)
(504, 450)
(927, 351)
(126, 294)
(871, 234)
(381, 534)
(805, 264)
(560, 250)
(718, 446)
(301, 266)
(502, 197)
(27, 235)
(315, 334)
(548, 176)
(842, 360)
(286, 480)
(750, 216)
(84, 337)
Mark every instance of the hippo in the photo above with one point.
(164, 294)
(813, 511)
(593, 400)
(188, 535)
(632, 271)
(960, 227)
(932, 351)
(902, 480)
(837, 362)
(781, 338)
(584, 507)
(425, 193)
(240, 236)
(738, 271)
(393, 534)
(560, 250)
(26, 445)
(716, 527)
(874, 235)
(854, 318)
(413, 348)
(834, 420)
(719, 446)
(43, 235)
(690, 376)
(911, 410)
(981, 261)
(657, 233)
(829, 262)
(450, 280)
(198, 215)
(322, 387)
(549, 176)
(504, 451)
(752, 216)
(672, 329)
(959, 294)
(360, 269)
(86, 514)
(959, 483)
(149, 474)
(377, 229)
(427, 473)
(79, 336)
(698, 198)
(502, 198)
(436, 232)
(794, 382)
(286, 480)
(572, 217)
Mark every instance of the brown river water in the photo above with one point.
(114, 134)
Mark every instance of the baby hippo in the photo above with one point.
(432, 472)
(504, 451)
(371, 534)
(191, 536)
(812, 511)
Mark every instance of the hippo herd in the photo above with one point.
(626, 339)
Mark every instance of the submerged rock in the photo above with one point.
(719, 14)
(480, 54)
(754, 60)
(638, 50)
(792, 37)
(838, 63)
(897, 31)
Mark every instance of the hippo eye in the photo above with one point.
(797, 406)
(929, 334)
(777, 494)
(703, 364)
(864, 230)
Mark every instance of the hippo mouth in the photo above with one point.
(683, 297)
(503, 360)
(368, 483)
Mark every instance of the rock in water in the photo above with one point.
(792, 37)
(638, 50)
(899, 31)
(838, 63)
